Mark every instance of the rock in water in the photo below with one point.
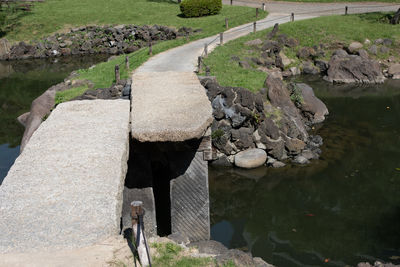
(312, 106)
(354, 69)
(250, 158)
(394, 71)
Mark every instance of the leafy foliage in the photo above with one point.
(200, 8)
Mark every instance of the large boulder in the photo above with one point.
(279, 96)
(4, 48)
(311, 106)
(250, 158)
(353, 69)
(394, 71)
(354, 47)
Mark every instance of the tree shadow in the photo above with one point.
(376, 17)
(10, 16)
(173, 2)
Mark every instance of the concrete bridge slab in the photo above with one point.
(65, 189)
(168, 106)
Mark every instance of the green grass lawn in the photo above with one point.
(311, 32)
(138, 12)
(57, 15)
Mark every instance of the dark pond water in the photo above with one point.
(337, 211)
(20, 83)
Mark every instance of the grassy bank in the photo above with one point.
(102, 75)
(56, 15)
(324, 30)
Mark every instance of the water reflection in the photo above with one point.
(343, 208)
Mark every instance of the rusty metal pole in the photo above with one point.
(127, 63)
(221, 38)
(231, 2)
(257, 13)
(117, 76)
(263, 6)
(292, 17)
(142, 249)
(226, 23)
(254, 27)
(346, 9)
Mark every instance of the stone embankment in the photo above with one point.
(85, 40)
(247, 127)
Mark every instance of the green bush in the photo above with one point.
(199, 8)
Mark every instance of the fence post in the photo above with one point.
(254, 27)
(199, 64)
(117, 76)
(150, 48)
(263, 6)
(345, 10)
(208, 71)
(137, 213)
(226, 23)
(292, 17)
(231, 2)
(205, 49)
(127, 62)
(221, 38)
(257, 13)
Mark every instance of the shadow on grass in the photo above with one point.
(376, 17)
(10, 15)
(174, 2)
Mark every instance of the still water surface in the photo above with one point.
(20, 83)
(337, 211)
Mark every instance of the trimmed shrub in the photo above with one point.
(199, 8)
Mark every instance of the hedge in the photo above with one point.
(199, 8)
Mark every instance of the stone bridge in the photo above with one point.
(77, 175)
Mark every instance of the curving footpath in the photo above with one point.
(65, 190)
(177, 66)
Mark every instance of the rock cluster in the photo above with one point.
(252, 129)
(348, 64)
(93, 40)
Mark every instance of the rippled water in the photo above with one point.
(20, 83)
(337, 211)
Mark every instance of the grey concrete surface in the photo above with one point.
(65, 189)
(168, 106)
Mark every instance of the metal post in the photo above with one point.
(205, 49)
(254, 27)
(208, 71)
(199, 64)
(221, 38)
(231, 2)
(127, 62)
(257, 13)
(117, 76)
(137, 211)
(292, 17)
(150, 48)
(263, 6)
(345, 10)
(226, 23)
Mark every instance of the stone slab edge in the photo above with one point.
(65, 189)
